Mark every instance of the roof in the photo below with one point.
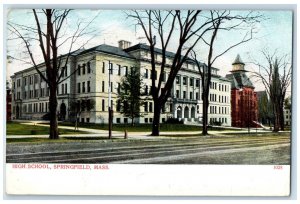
(109, 50)
(238, 60)
(147, 47)
(239, 80)
(157, 50)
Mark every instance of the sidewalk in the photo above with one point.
(96, 133)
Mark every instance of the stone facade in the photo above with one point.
(89, 70)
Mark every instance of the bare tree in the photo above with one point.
(186, 28)
(275, 74)
(221, 21)
(51, 33)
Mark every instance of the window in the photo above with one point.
(150, 120)
(66, 71)
(184, 94)
(125, 120)
(146, 90)
(88, 86)
(111, 68)
(184, 80)
(78, 87)
(83, 69)
(150, 107)
(103, 86)
(78, 70)
(191, 95)
(103, 67)
(87, 120)
(25, 108)
(30, 108)
(197, 96)
(66, 88)
(62, 88)
(119, 70)
(103, 105)
(197, 82)
(118, 120)
(82, 120)
(145, 107)
(146, 74)
(118, 88)
(177, 79)
(35, 78)
(118, 105)
(146, 120)
(191, 81)
(88, 105)
(88, 67)
(25, 81)
(126, 70)
(164, 76)
(177, 94)
(83, 87)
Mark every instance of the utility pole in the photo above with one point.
(110, 111)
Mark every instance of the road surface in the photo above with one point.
(249, 150)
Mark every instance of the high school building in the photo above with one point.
(89, 80)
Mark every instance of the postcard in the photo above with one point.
(148, 102)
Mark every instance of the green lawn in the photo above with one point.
(14, 128)
(140, 127)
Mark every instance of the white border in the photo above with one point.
(296, 92)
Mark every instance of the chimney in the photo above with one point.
(123, 44)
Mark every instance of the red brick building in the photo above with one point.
(244, 103)
(8, 104)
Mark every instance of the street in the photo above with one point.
(251, 150)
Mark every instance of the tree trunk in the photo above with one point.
(53, 116)
(156, 119)
(276, 119)
(281, 116)
(205, 115)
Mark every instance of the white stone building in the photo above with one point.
(89, 70)
(287, 114)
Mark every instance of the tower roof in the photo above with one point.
(238, 60)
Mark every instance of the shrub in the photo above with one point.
(33, 132)
(173, 121)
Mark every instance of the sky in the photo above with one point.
(110, 26)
